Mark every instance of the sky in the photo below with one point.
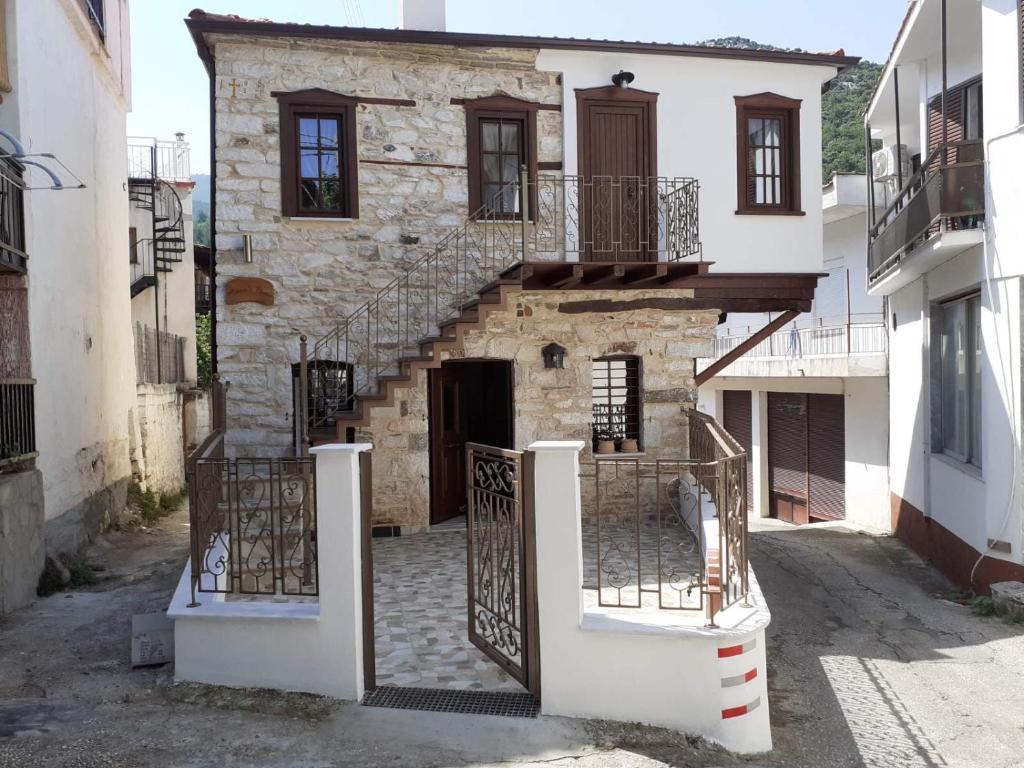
(170, 86)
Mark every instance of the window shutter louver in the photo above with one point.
(787, 443)
(954, 123)
(826, 456)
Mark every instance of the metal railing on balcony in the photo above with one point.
(865, 335)
(569, 219)
(17, 421)
(946, 194)
(668, 533)
(150, 158)
(13, 257)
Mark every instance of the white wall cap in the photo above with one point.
(556, 445)
(342, 448)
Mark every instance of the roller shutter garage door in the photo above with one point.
(737, 420)
(806, 456)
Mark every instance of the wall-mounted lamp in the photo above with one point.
(554, 356)
(623, 79)
(247, 248)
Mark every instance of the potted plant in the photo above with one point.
(605, 441)
(630, 445)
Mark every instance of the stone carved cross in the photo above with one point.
(234, 85)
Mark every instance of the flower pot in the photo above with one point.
(630, 445)
(606, 446)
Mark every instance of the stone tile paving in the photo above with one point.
(420, 615)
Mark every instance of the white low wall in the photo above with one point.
(160, 454)
(308, 647)
(661, 668)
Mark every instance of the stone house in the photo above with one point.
(369, 194)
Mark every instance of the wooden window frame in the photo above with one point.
(499, 108)
(787, 111)
(634, 393)
(290, 106)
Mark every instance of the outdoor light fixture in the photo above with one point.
(554, 356)
(247, 248)
(623, 79)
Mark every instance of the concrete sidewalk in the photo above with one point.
(870, 665)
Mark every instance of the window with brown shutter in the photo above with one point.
(501, 138)
(737, 418)
(963, 123)
(768, 154)
(318, 154)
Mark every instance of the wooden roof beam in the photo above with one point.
(735, 354)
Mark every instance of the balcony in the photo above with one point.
(12, 218)
(856, 347)
(939, 213)
(151, 159)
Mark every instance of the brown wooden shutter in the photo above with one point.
(738, 422)
(787, 443)
(826, 456)
(954, 123)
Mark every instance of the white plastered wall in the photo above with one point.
(697, 138)
(74, 105)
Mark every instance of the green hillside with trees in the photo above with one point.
(842, 110)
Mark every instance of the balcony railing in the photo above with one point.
(947, 194)
(17, 421)
(12, 217)
(863, 336)
(157, 159)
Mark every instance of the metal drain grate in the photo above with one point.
(501, 703)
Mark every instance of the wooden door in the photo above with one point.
(617, 160)
(448, 442)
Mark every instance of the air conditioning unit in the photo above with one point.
(883, 163)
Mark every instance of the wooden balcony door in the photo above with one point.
(617, 147)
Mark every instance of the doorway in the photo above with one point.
(470, 402)
(617, 158)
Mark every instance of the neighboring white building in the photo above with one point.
(809, 402)
(74, 306)
(947, 253)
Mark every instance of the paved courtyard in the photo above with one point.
(868, 666)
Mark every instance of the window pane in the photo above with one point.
(758, 161)
(308, 168)
(330, 195)
(490, 136)
(755, 131)
(329, 164)
(492, 169)
(329, 133)
(772, 133)
(510, 169)
(309, 194)
(954, 379)
(492, 200)
(510, 137)
(307, 132)
(759, 197)
(975, 311)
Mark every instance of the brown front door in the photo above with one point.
(448, 444)
(470, 401)
(617, 147)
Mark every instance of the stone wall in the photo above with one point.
(412, 192)
(158, 460)
(550, 404)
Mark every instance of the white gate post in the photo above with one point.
(559, 561)
(339, 556)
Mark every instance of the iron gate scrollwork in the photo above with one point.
(501, 566)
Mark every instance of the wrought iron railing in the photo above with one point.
(863, 337)
(150, 158)
(17, 421)
(13, 257)
(253, 525)
(159, 356)
(668, 533)
(569, 218)
(946, 194)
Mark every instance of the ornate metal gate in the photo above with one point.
(501, 562)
